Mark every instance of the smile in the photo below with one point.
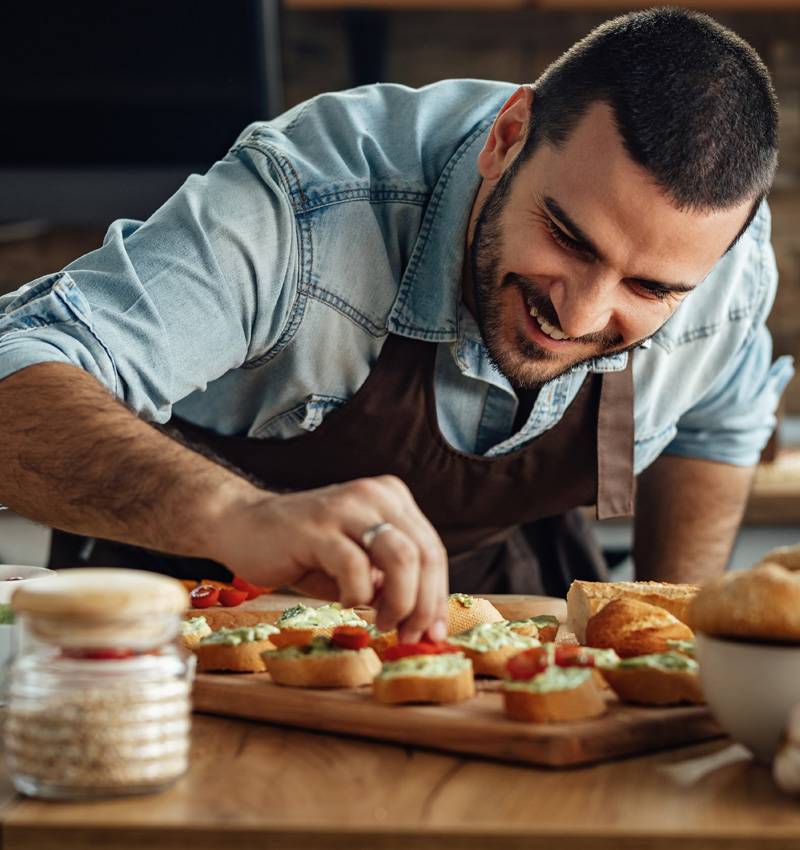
(549, 330)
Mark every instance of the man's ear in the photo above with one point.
(507, 135)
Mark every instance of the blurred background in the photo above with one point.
(107, 107)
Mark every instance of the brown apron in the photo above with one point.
(509, 522)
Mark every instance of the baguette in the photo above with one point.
(577, 698)
(235, 650)
(192, 631)
(318, 665)
(465, 612)
(761, 603)
(425, 678)
(544, 627)
(632, 627)
(231, 618)
(634, 681)
(586, 598)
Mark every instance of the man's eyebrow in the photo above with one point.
(556, 211)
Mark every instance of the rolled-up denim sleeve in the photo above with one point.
(734, 420)
(166, 306)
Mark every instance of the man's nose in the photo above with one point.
(585, 304)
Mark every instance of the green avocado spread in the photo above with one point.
(552, 679)
(436, 666)
(6, 615)
(486, 637)
(687, 647)
(324, 617)
(245, 634)
(196, 626)
(463, 599)
(661, 661)
(541, 622)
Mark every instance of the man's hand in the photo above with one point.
(311, 539)
(73, 457)
(688, 512)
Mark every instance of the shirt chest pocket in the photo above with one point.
(300, 419)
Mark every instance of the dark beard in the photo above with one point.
(485, 256)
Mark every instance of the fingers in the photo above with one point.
(349, 566)
(412, 558)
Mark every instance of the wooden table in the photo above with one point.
(257, 786)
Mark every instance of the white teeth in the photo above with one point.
(551, 330)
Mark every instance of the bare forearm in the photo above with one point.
(75, 458)
(688, 512)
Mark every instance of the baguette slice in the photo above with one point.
(243, 658)
(348, 668)
(440, 678)
(299, 637)
(490, 662)
(381, 641)
(586, 598)
(650, 686)
(632, 627)
(578, 703)
(464, 612)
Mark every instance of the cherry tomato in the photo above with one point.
(405, 650)
(527, 664)
(204, 596)
(350, 637)
(253, 590)
(211, 582)
(230, 597)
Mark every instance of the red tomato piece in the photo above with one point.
(573, 656)
(527, 664)
(204, 596)
(230, 597)
(350, 637)
(253, 591)
(404, 650)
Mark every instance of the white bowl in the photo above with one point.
(750, 688)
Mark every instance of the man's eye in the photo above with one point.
(565, 241)
(655, 292)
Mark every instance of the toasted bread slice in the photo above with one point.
(464, 612)
(632, 627)
(586, 598)
(425, 678)
(578, 703)
(650, 686)
(491, 662)
(243, 658)
(345, 668)
(381, 641)
(298, 637)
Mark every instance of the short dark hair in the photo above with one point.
(693, 103)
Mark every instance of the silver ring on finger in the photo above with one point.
(369, 536)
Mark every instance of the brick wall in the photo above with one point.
(517, 46)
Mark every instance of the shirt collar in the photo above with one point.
(427, 301)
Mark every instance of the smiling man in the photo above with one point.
(397, 332)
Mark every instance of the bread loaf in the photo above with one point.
(632, 627)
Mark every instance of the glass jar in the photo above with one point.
(99, 697)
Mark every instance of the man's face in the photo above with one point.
(579, 253)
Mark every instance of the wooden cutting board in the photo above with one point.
(475, 727)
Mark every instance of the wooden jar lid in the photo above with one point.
(91, 594)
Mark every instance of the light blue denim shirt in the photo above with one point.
(257, 298)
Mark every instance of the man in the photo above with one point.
(394, 325)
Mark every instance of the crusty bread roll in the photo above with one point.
(336, 669)
(580, 703)
(586, 598)
(762, 603)
(632, 627)
(464, 612)
(785, 556)
(435, 689)
(651, 686)
(243, 658)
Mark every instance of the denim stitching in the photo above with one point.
(324, 296)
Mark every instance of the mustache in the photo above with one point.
(547, 311)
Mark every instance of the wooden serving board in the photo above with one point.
(475, 727)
